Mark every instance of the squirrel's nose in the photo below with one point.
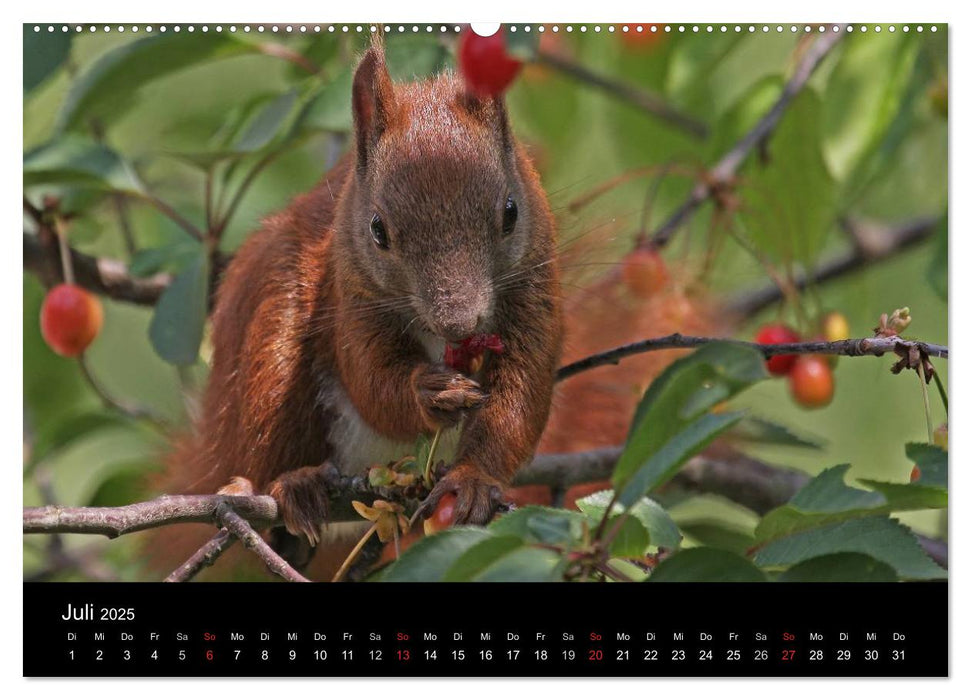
(458, 327)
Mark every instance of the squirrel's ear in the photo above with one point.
(372, 100)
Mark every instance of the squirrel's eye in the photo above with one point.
(378, 232)
(509, 215)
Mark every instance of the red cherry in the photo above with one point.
(70, 319)
(811, 381)
(466, 357)
(774, 334)
(444, 515)
(644, 272)
(644, 39)
(487, 68)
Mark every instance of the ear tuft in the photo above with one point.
(372, 101)
(488, 110)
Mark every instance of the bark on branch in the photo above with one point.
(105, 276)
(853, 348)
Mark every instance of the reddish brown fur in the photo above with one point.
(304, 306)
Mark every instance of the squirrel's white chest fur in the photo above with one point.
(357, 446)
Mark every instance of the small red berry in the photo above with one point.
(644, 272)
(466, 357)
(774, 334)
(444, 515)
(70, 319)
(486, 66)
(811, 381)
(915, 474)
(643, 39)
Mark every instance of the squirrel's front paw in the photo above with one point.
(478, 497)
(444, 395)
(301, 496)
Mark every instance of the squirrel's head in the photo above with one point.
(440, 213)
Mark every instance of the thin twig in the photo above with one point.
(722, 173)
(134, 412)
(893, 240)
(289, 55)
(241, 529)
(640, 98)
(205, 556)
(175, 216)
(851, 348)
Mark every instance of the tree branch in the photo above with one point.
(723, 172)
(872, 242)
(101, 275)
(853, 348)
(241, 529)
(205, 556)
(640, 98)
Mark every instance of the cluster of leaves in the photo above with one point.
(828, 531)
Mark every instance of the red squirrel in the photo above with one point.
(331, 321)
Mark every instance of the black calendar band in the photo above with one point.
(348, 630)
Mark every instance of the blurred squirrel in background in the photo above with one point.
(331, 321)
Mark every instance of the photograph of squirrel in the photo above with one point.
(331, 321)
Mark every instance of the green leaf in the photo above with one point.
(111, 82)
(266, 123)
(663, 532)
(718, 534)
(330, 108)
(664, 463)
(937, 268)
(541, 524)
(704, 564)
(414, 56)
(506, 558)
(526, 564)
(827, 499)
(632, 539)
(168, 258)
(180, 314)
(765, 432)
(55, 434)
(670, 424)
(932, 461)
(839, 568)
(880, 537)
(789, 204)
(479, 556)
(430, 558)
(44, 53)
(828, 493)
(863, 95)
(77, 160)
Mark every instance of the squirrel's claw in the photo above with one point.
(478, 497)
(444, 395)
(301, 496)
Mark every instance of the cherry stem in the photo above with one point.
(354, 552)
(940, 388)
(431, 458)
(927, 402)
(66, 264)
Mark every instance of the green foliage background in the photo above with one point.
(868, 138)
